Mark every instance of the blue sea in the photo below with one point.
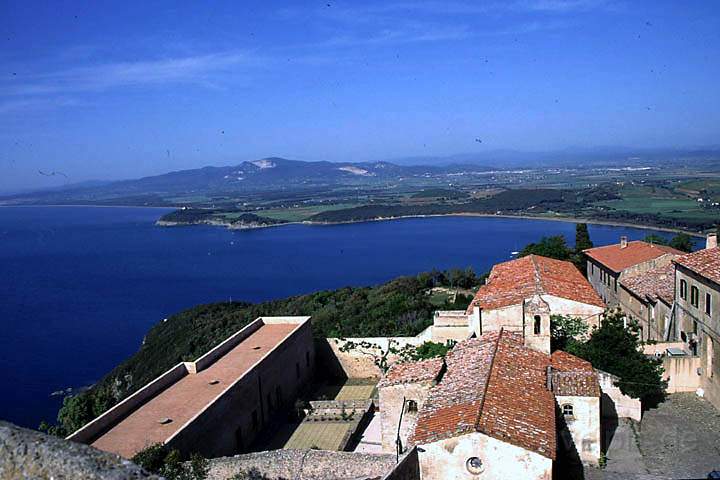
(80, 286)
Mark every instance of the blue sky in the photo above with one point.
(105, 90)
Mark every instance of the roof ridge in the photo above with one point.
(487, 383)
(539, 290)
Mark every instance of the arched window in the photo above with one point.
(536, 327)
(411, 406)
(567, 410)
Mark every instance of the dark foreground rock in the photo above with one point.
(29, 454)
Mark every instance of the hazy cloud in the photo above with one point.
(192, 69)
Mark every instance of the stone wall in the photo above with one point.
(392, 406)
(30, 454)
(304, 465)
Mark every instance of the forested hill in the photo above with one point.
(399, 307)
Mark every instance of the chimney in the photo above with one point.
(623, 241)
(711, 241)
(548, 377)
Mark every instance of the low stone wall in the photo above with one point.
(303, 465)
(30, 454)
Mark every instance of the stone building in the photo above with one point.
(492, 408)
(647, 297)
(607, 266)
(218, 404)
(521, 295)
(697, 311)
(401, 391)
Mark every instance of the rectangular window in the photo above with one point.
(694, 296)
(708, 303)
(683, 289)
(616, 285)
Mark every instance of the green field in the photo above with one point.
(301, 213)
(663, 202)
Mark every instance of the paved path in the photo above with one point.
(681, 438)
(623, 455)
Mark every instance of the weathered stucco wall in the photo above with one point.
(681, 373)
(583, 427)
(391, 407)
(359, 362)
(615, 404)
(591, 314)
(448, 459)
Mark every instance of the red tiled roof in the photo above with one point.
(703, 262)
(512, 282)
(657, 283)
(618, 259)
(494, 385)
(573, 376)
(410, 372)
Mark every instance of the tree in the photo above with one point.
(553, 247)
(565, 331)
(655, 239)
(615, 349)
(169, 463)
(682, 242)
(430, 350)
(582, 238)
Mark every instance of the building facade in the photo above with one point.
(697, 313)
(647, 298)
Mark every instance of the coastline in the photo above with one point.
(466, 214)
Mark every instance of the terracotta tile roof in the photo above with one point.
(703, 262)
(573, 376)
(493, 385)
(618, 259)
(657, 283)
(512, 282)
(410, 372)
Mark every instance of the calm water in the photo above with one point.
(79, 286)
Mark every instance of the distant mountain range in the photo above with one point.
(267, 174)
(279, 174)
